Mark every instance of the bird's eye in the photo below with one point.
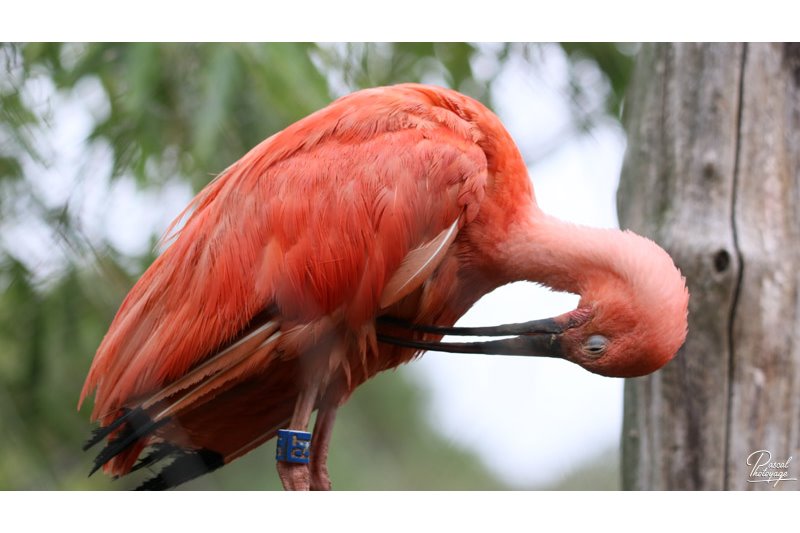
(595, 346)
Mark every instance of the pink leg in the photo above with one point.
(295, 476)
(323, 429)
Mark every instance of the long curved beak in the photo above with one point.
(538, 338)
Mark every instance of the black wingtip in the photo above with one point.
(102, 432)
(138, 425)
(94, 469)
(187, 466)
(159, 451)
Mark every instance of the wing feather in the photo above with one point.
(346, 224)
(417, 266)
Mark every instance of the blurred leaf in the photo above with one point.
(615, 62)
(10, 168)
(224, 75)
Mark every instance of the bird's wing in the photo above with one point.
(417, 265)
(341, 214)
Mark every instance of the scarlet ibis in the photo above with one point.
(342, 246)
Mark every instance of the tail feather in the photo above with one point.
(218, 411)
(187, 466)
(222, 380)
(137, 427)
(131, 432)
(159, 452)
(223, 360)
(102, 432)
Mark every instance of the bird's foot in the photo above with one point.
(294, 476)
(293, 454)
(320, 480)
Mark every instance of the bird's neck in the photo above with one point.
(558, 254)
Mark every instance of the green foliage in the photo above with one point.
(170, 112)
(186, 109)
(47, 338)
(614, 61)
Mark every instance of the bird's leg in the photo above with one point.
(295, 476)
(323, 429)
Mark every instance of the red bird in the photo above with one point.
(343, 246)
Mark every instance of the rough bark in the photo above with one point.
(712, 172)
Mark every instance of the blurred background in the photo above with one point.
(102, 145)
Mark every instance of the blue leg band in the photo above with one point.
(293, 446)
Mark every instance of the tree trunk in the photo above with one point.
(712, 173)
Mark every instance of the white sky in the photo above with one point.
(550, 415)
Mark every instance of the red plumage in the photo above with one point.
(407, 201)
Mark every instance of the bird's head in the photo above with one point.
(631, 320)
